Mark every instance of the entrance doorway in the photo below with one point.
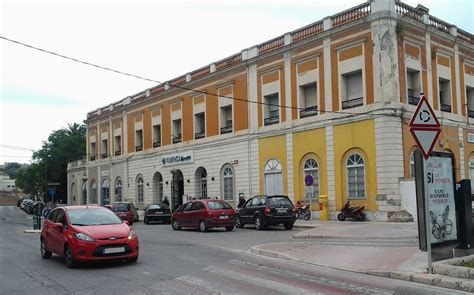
(177, 189)
(157, 187)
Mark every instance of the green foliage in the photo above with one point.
(50, 163)
(469, 264)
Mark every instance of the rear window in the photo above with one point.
(279, 202)
(218, 205)
(120, 208)
(156, 206)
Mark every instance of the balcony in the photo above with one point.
(138, 148)
(198, 135)
(446, 108)
(104, 156)
(93, 158)
(226, 129)
(177, 139)
(309, 111)
(413, 100)
(352, 103)
(118, 152)
(156, 144)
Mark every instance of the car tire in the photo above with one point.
(175, 225)
(131, 223)
(288, 225)
(203, 226)
(259, 223)
(132, 260)
(239, 223)
(145, 220)
(70, 261)
(45, 253)
(341, 217)
(229, 228)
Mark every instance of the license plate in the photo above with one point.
(123, 214)
(282, 210)
(223, 217)
(158, 213)
(114, 250)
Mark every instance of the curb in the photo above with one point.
(32, 231)
(421, 278)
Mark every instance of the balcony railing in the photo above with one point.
(118, 153)
(138, 148)
(470, 113)
(198, 135)
(272, 120)
(350, 15)
(226, 129)
(92, 158)
(309, 111)
(446, 108)
(413, 99)
(104, 156)
(177, 139)
(156, 144)
(352, 103)
(408, 11)
(439, 24)
(271, 45)
(307, 31)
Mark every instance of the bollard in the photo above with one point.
(323, 208)
(35, 221)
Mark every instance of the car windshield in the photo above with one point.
(96, 216)
(120, 208)
(279, 202)
(218, 205)
(156, 206)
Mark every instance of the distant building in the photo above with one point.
(7, 184)
(331, 100)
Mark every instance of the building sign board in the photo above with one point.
(178, 158)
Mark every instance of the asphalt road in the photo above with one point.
(184, 262)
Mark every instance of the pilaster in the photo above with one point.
(289, 165)
(330, 168)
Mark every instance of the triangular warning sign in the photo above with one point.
(424, 115)
(425, 138)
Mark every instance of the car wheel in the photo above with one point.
(239, 223)
(341, 217)
(288, 225)
(131, 223)
(258, 223)
(145, 220)
(175, 225)
(70, 261)
(229, 228)
(132, 260)
(45, 253)
(203, 226)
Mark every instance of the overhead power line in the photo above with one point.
(15, 147)
(166, 83)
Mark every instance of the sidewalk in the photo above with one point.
(388, 249)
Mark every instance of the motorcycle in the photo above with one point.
(302, 211)
(349, 211)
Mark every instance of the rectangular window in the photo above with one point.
(445, 95)
(199, 125)
(176, 135)
(104, 153)
(413, 86)
(118, 145)
(92, 151)
(470, 102)
(272, 114)
(138, 140)
(226, 119)
(309, 100)
(157, 135)
(352, 90)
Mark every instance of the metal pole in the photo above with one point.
(427, 221)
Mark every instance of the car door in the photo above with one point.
(246, 214)
(57, 235)
(198, 211)
(48, 241)
(186, 215)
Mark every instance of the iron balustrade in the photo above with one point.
(156, 144)
(226, 129)
(177, 139)
(118, 153)
(309, 111)
(352, 103)
(446, 107)
(350, 15)
(198, 135)
(408, 11)
(104, 156)
(413, 99)
(138, 148)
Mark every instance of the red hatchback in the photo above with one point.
(123, 211)
(87, 233)
(204, 214)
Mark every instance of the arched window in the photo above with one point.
(105, 195)
(84, 192)
(227, 176)
(140, 192)
(355, 167)
(73, 192)
(93, 192)
(311, 168)
(201, 183)
(273, 178)
(118, 190)
(471, 172)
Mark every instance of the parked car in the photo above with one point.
(123, 211)
(267, 210)
(157, 212)
(132, 207)
(87, 233)
(20, 200)
(24, 204)
(204, 214)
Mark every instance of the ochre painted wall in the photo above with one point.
(272, 148)
(357, 137)
(166, 124)
(187, 120)
(240, 108)
(212, 116)
(147, 136)
(308, 144)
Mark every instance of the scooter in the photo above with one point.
(349, 211)
(302, 211)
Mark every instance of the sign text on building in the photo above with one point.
(179, 158)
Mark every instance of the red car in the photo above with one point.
(87, 233)
(204, 214)
(123, 211)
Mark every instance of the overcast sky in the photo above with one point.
(160, 40)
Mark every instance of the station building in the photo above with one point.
(332, 100)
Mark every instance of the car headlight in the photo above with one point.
(132, 235)
(84, 237)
